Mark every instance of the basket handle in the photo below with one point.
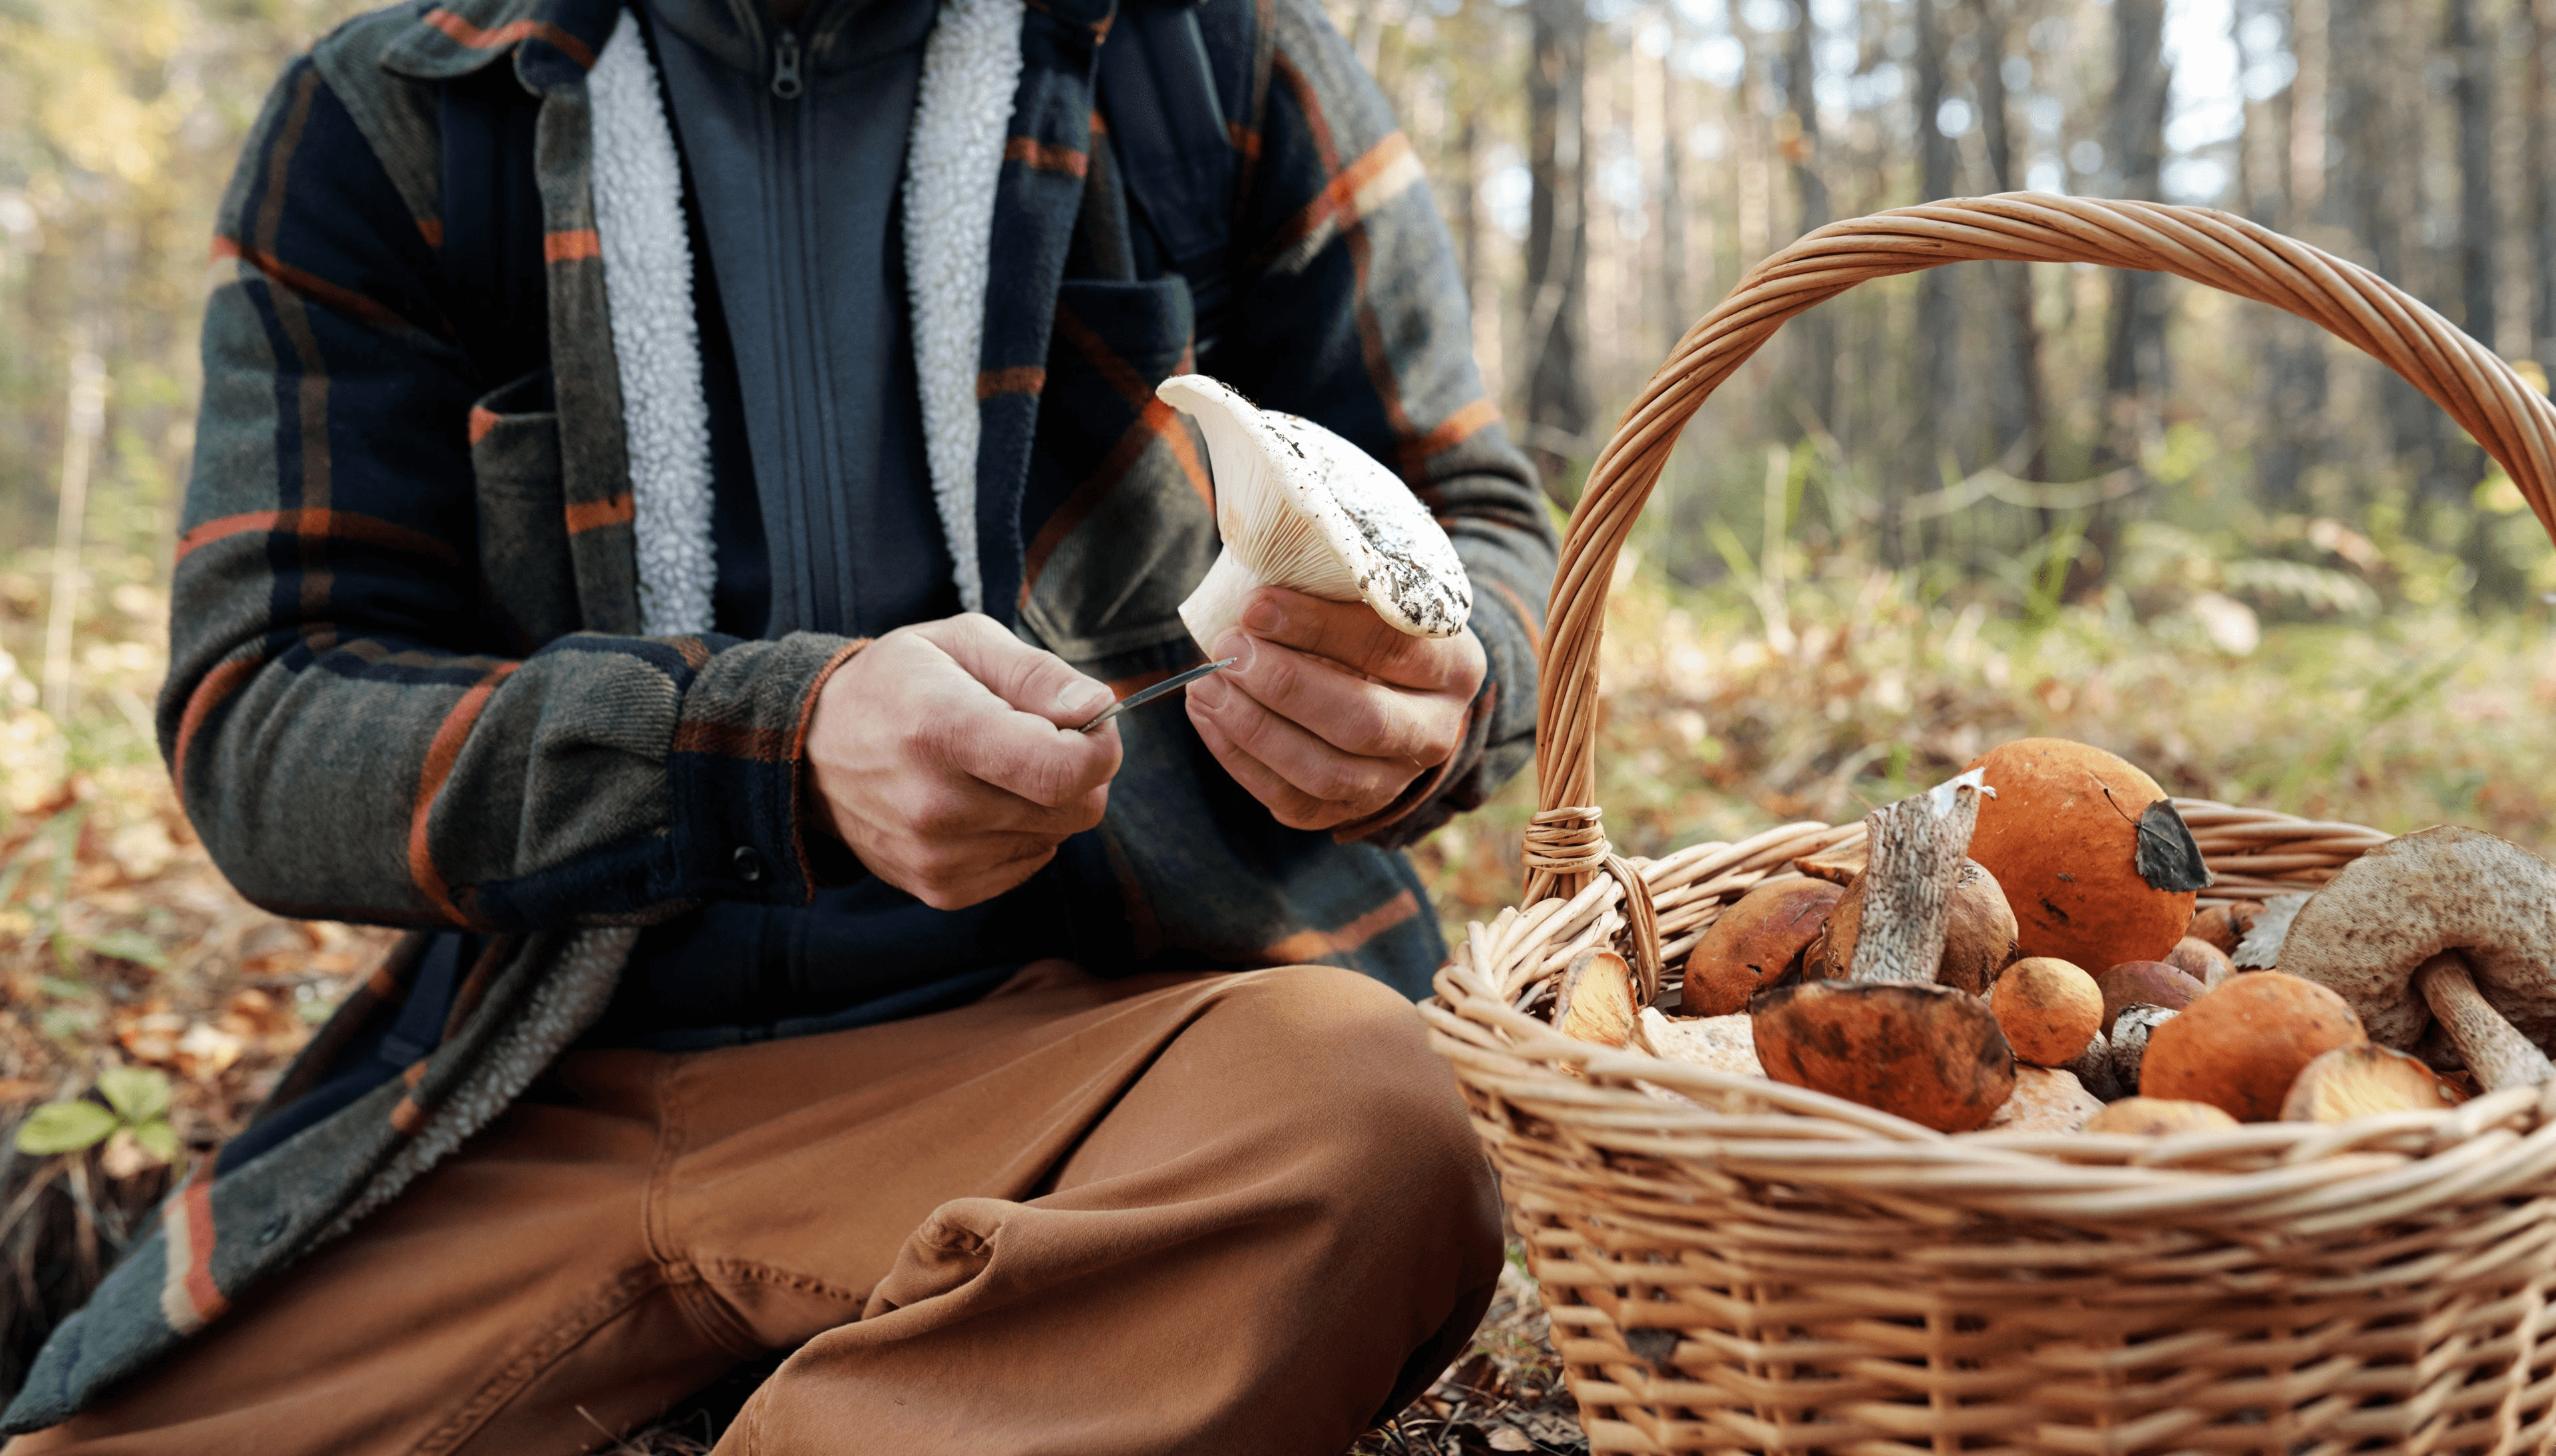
(2517, 425)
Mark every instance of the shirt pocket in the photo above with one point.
(527, 577)
(1118, 516)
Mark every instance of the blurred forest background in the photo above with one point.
(1939, 511)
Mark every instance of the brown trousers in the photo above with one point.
(1229, 1213)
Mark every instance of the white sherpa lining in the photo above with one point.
(962, 110)
(656, 342)
(954, 157)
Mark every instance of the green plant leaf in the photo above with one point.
(139, 1094)
(157, 1139)
(64, 1127)
(130, 945)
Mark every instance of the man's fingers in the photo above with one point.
(1351, 634)
(1351, 713)
(1290, 805)
(1009, 735)
(1319, 770)
(1032, 679)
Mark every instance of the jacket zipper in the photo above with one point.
(784, 67)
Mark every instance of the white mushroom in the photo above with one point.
(1299, 507)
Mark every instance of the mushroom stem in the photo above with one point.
(1917, 846)
(2499, 1055)
(1216, 604)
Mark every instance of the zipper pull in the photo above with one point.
(784, 67)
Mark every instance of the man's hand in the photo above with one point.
(946, 755)
(1331, 713)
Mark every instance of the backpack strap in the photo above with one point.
(1175, 153)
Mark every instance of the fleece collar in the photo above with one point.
(971, 68)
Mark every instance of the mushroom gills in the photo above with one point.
(1302, 507)
(2364, 1080)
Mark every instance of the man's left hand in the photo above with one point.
(1330, 714)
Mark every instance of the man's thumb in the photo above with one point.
(1032, 679)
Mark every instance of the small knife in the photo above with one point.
(1144, 695)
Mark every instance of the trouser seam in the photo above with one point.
(544, 1350)
(702, 1307)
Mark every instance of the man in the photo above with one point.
(672, 478)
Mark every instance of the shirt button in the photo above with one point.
(747, 864)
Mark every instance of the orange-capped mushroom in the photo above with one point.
(2097, 863)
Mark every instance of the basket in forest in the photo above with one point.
(1751, 1267)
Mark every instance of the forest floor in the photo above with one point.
(122, 947)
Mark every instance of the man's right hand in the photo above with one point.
(946, 754)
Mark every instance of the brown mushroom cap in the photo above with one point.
(2158, 1116)
(2145, 983)
(2361, 1080)
(2223, 926)
(1598, 1002)
(2201, 960)
(2048, 1009)
(2241, 1046)
(2063, 836)
(1978, 934)
(1926, 1052)
(1754, 943)
(2368, 931)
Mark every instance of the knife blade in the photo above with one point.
(1144, 695)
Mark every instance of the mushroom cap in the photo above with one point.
(2225, 926)
(1754, 942)
(2363, 1080)
(2145, 983)
(2158, 1116)
(2441, 889)
(2048, 1009)
(2241, 1046)
(2064, 837)
(1305, 509)
(1926, 1052)
(2201, 960)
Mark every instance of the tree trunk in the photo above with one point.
(1814, 332)
(2473, 90)
(2134, 356)
(1557, 405)
(1469, 205)
(2539, 165)
(2294, 350)
(1673, 298)
(2377, 171)
(2018, 405)
(1930, 390)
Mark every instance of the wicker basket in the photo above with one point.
(1761, 1267)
